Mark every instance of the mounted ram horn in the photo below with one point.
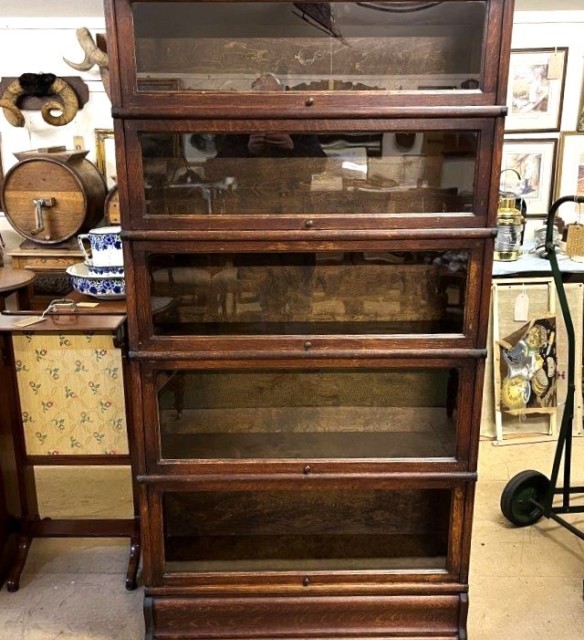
(8, 103)
(93, 54)
(40, 85)
(68, 104)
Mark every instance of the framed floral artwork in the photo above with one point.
(536, 89)
(528, 171)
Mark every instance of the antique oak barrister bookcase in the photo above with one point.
(308, 191)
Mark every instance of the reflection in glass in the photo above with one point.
(324, 293)
(304, 530)
(389, 414)
(311, 174)
(341, 46)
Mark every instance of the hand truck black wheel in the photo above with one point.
(522, 498)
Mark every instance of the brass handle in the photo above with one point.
(39, 208)
(306, 581)
(307, 345)
(307, 469)
(309, 224)
(309, 102)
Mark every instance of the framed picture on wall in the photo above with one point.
(536, 89)
(1, 171)
(571, 170)
(528, 171)
(105, 155)
(580, 122)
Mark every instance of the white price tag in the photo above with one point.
(25, 322)
(555, 66)
(522, 308)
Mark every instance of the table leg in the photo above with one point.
(13, 582)
(23, 298)
(133, 562)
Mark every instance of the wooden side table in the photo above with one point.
(49, 367)
(49, 265)
(18, 281)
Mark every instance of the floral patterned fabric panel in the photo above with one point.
(71, 394)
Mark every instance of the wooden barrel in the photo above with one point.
(72, 190)
(112, 206)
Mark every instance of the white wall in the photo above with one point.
(32, 44)
(548, 29)
(51, 9)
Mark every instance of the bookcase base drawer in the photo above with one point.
(439, 617)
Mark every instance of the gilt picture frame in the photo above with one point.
(105, 157)
(580, 121)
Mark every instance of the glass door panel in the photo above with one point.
(397, 173)
(312, 293)
(306, 414)
(306, 530)
(309, 46)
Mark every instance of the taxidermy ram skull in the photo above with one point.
(93, 56)
(40, 85)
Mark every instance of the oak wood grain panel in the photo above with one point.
(77, 189)
(208, 599)
(63, 323)
(390, 617)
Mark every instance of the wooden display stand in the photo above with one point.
(541, 293)
(58, 337)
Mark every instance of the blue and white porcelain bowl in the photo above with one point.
(95, 270)
(105, 287)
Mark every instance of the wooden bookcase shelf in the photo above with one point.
(308, 193)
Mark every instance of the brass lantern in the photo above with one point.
(509, 230)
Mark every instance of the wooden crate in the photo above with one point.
(542, 300)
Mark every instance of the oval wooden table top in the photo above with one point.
(14, 279)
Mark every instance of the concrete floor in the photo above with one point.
(526, 584)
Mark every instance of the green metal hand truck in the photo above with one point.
(529, 495)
